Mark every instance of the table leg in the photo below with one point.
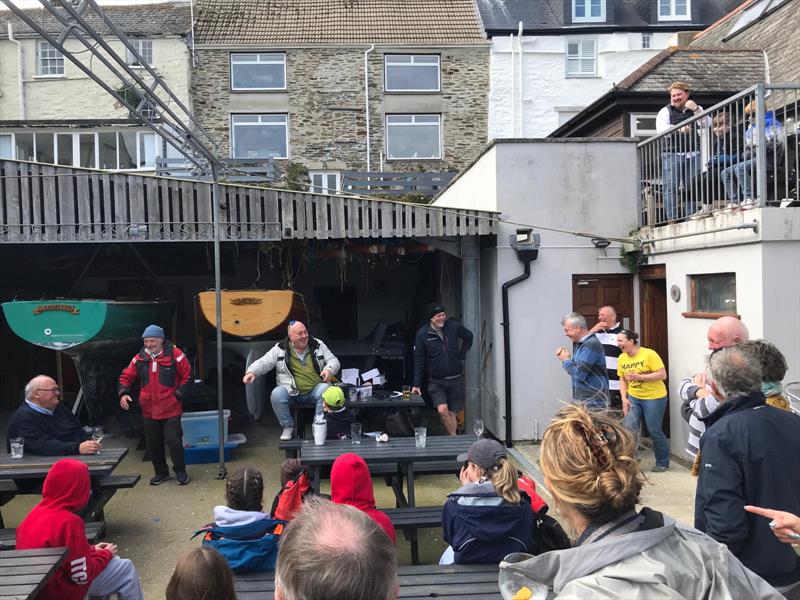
(410, 477)
(315, 476)
(397, 486)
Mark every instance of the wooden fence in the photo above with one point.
(46, 203)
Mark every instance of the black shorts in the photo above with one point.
(447, 391)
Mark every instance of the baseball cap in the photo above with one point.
(485, 453)
(333, 397)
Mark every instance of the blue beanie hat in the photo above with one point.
(153, 331)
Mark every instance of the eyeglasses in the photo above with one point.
(54, 390)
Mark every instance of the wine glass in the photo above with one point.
(97, 435)
(477, 427)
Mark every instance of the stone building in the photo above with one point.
(289, 83)
(52, 112)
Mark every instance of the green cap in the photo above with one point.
(333, 397)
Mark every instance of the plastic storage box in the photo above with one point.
(202, 428)
(207, 453)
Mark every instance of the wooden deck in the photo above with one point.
(52, 204)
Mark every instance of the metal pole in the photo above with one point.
(215, 206)
(761, 147)
(471, 308)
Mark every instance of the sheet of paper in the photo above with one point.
(350, 376)
(371, 374)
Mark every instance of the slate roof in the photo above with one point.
(150, 20)
(279, 22)
(702, 68)
(538, 16)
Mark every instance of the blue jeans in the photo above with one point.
(281, 401)
(737, 180)
(678, 171)
(653, 413)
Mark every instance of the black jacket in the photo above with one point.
(440, 358)
(339, 423)
(58, 434)
(750, 455)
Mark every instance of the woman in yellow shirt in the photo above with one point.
(644, 395)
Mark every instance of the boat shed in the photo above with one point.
(365, 265)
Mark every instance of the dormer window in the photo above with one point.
(674, 10)
(588, 11)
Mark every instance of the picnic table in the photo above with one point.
(445, 582)
(401, 451)
(23, 573)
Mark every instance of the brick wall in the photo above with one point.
(325, 103)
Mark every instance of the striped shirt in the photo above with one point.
(608, 337)
(701, 408)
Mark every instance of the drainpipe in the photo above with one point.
(513, 86)
(521, 80)
(366, 99)
(526, 245)
(22, 113)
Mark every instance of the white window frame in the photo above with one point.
(647, 40)
(145, 49)
(13, 139)
(260, 60)
(587, 7)
(753, 13)
(671, 16)
(322, 188)
(45, 51)
(646, 132)
(259, 123)
(580, 57)
(406, 65)
(413, 123)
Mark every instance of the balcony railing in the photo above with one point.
(740, 153)
(395, 184)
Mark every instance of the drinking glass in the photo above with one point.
(355, 433)
(477, 427)
(420, 436)
(17, 447)
(406, 392)
(97, 435)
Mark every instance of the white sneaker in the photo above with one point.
(286, 435)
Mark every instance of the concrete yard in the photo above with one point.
(153, 525)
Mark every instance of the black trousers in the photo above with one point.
(157, 433)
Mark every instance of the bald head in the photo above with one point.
(298, 335)
(726, 332)
(607, 315)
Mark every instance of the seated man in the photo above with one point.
(303, 368)
(335, 551)
(48, 427)
(87, 570)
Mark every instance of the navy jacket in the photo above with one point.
(750, 455)
(440, 358)
(58, 434)
(482, 528)
(339, 423)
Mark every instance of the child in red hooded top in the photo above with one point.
(351, 484)
(87, 569)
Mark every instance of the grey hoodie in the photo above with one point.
(668, 562)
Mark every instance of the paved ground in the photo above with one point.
(153, 525)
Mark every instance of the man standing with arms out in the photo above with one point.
(680, 150)
(48, 427)
(161, 369)
(698, 398)
(587, 367)
(303, 369)
(750, 455)
(606, 330)
(335, 551)
(437, 353)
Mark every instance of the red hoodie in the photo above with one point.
(351, 484)
(53, 523)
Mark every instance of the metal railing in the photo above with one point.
(395, 184)
(242, 170)
(740, 153)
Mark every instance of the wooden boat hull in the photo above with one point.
(250, 314)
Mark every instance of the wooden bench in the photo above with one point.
(408, 519)
(106, 487)
(94, 533)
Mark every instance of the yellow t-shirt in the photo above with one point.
(645, 361)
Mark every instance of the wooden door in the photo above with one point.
(590, 292)
(653, 311)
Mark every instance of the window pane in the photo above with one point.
(44, 148)
(714, 293)
(108, 149)
(147, 149)
(580, 9)
(64, 145)
(258, 71)
(263, 140)
(127, 150)
(572, 49)
(6, 148)
(86, 150)
(413, 141)
(145, 50)
(664, 8)
(50, 60)
(24, 143)
(418, 73)
(680, 8)
(596, 8)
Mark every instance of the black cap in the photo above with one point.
(485, 453)
(434, 308)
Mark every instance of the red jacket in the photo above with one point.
(351, 484)
(53, 523)
(158, 377)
